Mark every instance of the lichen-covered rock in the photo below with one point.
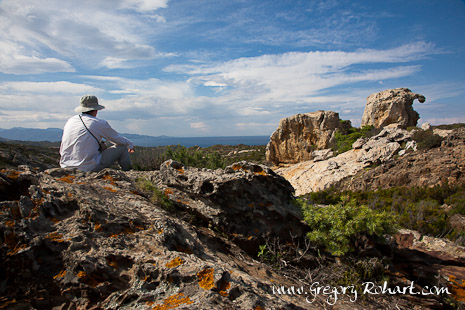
(392, 106)
(245, 200)
(74, 240)
(299, 135)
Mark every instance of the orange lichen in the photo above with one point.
(458, 288)
(251, 205)
(67, 178)
(38, 201)
(173, 302)
(54, 236)
(174, 263)
(91, 280)
(258, 308)
(168, 192)
(260, 173)
(108, 188)
(10, 223)
(5, 302)
(98, 227)
(223, 288)
(237, 167)
(160, 231)
(54, 220)
(13, 174)
(206, 279)
(62, 274)
(109, 178)
(17, 249)
(111, 261)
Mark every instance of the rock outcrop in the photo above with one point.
(392, 106)
(436, 166)
(73, 240)
(299, 135)
(311, 176)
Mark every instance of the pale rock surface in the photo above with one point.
(310, 176)
(298, 136)
(392, 106)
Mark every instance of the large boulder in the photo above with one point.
(73, 240)
(298, 136)
(392, 106)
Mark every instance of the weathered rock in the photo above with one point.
(431, 167)
(313, 176)
(434, 262)
(244, 200)
(392, 106)
(73, 240)
(299, 135)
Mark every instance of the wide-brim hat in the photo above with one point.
(89, 103)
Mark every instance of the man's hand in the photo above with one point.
(131, 150)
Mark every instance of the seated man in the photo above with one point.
(80, 146)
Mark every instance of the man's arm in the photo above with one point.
(111, 135)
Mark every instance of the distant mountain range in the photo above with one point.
(54, 135)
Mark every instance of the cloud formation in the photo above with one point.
(221, 67)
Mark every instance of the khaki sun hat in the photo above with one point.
(89, 103)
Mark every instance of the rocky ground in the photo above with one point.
(184, 238)
(388, 159)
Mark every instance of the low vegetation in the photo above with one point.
(340, 228)
(425, 209)
(426, 139)
(345, 139)
(213, 157)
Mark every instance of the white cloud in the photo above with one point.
(15, 59)
(145, 5)
(54, 88)
(199, 126)
(88, 31)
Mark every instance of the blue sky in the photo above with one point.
(222, 68)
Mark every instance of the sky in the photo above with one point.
(192, 68)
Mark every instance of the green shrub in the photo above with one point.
(426, 139)
(195, 157)
(337, 228)
(417, 208)
(344, 140)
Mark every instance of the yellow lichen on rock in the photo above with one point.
(173, 302)
(206, 279)
(174, 262)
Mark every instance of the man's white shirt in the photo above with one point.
(79, 149)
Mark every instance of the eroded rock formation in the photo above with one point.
(392, 106)
(385, 160)
(73, 240)
(299, 135)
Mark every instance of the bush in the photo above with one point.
(417, 208)
(344, 140)
(337, 228)
(195, 157)
(426, 139)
